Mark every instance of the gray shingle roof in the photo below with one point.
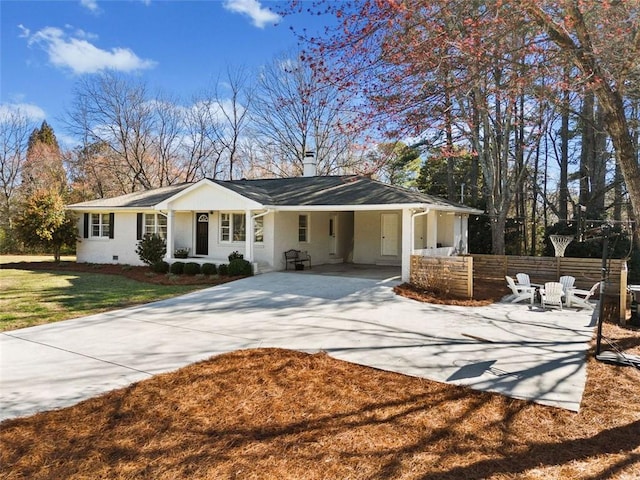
(331, 190)
(295, 191)
(142, 199)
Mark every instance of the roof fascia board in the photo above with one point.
(351, 208)
(88, 208)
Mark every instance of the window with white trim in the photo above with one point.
(155, 223)
(232, 227)
(303, 228)
(100, 227)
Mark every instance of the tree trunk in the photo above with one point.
(617, 127)
(563, 188)
(599, 167)
(587, 148)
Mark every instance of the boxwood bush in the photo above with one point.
(209, 269)
(240, 266)
(223, 269)
(191, 268)
(177, 268)
(160, 267)
(151, 248)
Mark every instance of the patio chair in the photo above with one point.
(567, 282)
(552, 294)
(523, 279)
(580, 298)
(520, 292)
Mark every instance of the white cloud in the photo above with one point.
(27, 110)
(25, 31)
(79, 55)
(91, 5)
(259, 15)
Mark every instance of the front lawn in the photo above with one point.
(33, 297)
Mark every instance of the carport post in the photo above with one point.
(407, 243)
(248, 236)
(170, 236)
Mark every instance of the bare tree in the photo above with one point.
(167, 139)
(111, 110)
(232, 97)
(15, 128)
(294, 112)
(200, 155)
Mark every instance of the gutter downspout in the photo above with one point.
(413, 226)
(408, 244)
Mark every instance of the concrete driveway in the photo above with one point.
(511, 349)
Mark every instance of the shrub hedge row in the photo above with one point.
(237, 266)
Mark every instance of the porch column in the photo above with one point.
(460, 233)
(407, 243)
(170, 235)
(248, 236)
(432, 229)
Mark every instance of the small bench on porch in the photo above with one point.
(297, 258)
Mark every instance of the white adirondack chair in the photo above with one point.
(580, 298)
(552, 294)
(523, 279)
(520, 292)
(567, 282)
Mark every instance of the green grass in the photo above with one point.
(29, 298)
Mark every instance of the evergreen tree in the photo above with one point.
(44, 224)
(43, 168)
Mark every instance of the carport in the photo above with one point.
(373, 272)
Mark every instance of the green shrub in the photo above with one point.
(240, 266)
(191, 268)
(160, 267)
(177, 268)
(235, 256)
(209, 269)
(151, 248)
(223, 269)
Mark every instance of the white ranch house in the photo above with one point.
(334, 218)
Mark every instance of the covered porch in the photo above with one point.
(367, 236)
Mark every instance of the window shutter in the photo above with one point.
(85, 227)
(111, 221)
(139, 227)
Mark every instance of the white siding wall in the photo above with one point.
(367, 239)
(286, 228)
(431, 233)
(104, 250)
(420, 232)
(345, 236)
(445, 229)
(183, 232)
(219, 250)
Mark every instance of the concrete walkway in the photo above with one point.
(511, 349)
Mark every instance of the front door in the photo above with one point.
(389, 232)
(202, 233)
(333, 243)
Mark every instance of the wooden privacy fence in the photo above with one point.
(448, 275)
(456, 275)
(586, 271)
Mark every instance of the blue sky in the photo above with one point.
(177, 46)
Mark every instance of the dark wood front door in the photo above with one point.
(202, 233)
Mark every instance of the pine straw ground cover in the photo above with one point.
(280, 414)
